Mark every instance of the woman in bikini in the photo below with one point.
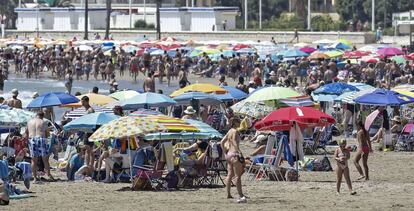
(342, 156)
(364, 148)
(234, 158)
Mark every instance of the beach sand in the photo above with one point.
(391, 188)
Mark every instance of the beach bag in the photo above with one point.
(292, 175)
(172, 180)
(387, 139)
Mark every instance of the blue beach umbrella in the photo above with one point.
(147, 100)
(90, 121)
(235, 93)
(52, 99)
(384, 97)
(203, 98)
(335, 89)
(293, 53)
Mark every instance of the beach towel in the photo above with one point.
(296, 142)
(286, 151)
(4, 169)
(168, 154)
(26, 169)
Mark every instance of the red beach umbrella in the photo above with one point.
(283, 119)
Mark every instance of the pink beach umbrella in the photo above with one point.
(370, 119)
(409, 128)
(307, 49)
(390, 51)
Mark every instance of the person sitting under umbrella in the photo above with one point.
(189, 113)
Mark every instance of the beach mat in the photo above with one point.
(21, 196)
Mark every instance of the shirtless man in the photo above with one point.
(149, 83)
(234, 158)
(370, 74)
(182, 77)
(14, 102)
(328, 76)
(36, 131)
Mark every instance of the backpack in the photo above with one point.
(172, 180)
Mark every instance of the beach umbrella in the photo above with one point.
(318, 55)
(337, 88)
(85, 48)
(158, 52)
(384, 97)
(339, 45)
(223, 97)
(408, 93)
(235, 93)
(407, 87)
(323, 97)
(343, 63)
(195, 53)
(252, 109)
(147, 100)
(410, 56)
(203, 98)
(301, 45)
(355, 54)
(272, 93)
(15, 117)
(147, 44)
(323, 41)
(344, 41)
(205, 132)
(246, 51)
(369, 59)
(283, 119)
(200, 87)
(293, 53)
(389, 51)
(171, 124)
(79, 112)
(368, 48)
(89, 122)
(308, 49)
(130, 48)
(145, 112)
(240, 46)
(398, 59)
(298, 101)
(94, 99)
(52, 99)
(408, 128)
(124, 95)
(126, 127)
(334, 54)
(348, 97)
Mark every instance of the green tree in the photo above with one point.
(7, 10)
(57, 3)
(108, 18)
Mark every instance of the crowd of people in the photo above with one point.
(85, 159)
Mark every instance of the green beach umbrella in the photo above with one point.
(398, 59)
(272, 93)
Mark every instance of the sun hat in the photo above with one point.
(396, 118)
(189, 110)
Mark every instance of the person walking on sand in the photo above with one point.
(37, 131)
(342, 156)
(234, 158)
(364, 148)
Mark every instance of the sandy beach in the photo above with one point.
(391, 188)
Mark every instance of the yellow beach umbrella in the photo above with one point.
(126, 127)
(333, 54)
(344, 41)
(318, 55)
(405, 92)
(200, 87)
(94, 99)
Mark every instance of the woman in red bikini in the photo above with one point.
(364, 148)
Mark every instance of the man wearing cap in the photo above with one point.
(14, 102)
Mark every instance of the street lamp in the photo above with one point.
(37, 18)
(373, 15)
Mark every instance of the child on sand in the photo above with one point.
(342, 156)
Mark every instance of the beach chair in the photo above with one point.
(152, 175)
(318, 142)
(215, 167)
(255, 168)
(126, 166)
(270, 167)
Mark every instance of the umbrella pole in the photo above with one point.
(130, 159)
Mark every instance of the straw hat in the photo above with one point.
(189, 110)
(396, 118)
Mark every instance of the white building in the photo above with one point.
(198, 19)
(59, 19)
(402, 21)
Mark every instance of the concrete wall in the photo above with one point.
(355, 37)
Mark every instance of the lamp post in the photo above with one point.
(373, 15)
(309, 14)
(130, 14)
(260, 14)
(85, 37)
(158, 2)
(245, 14)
